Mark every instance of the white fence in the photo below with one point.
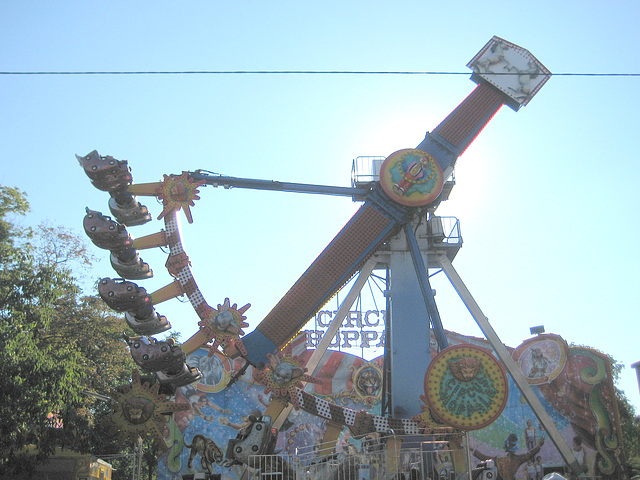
(427, 461)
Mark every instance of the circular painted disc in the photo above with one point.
(216, 370)
(542, 358)
(466, 387)
(411, 177)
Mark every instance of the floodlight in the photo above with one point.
(537, 330)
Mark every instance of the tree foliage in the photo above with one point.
(55, 343)
(629, 422)
(12, 201)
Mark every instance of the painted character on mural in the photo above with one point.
(465, 369)
(211, 368)
(199, 401)
(539, 364)
(208, 450)
(415, 172)
(368, 382)
(246, 421)
(579, 452)
(531, 469)
(509, 463)
(539, 468)
(530, 435)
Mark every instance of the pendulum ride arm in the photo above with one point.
(452, 137)
(383, 214)
(369, 228)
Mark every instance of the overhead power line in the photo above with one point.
(298, 72)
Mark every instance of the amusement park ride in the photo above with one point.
(395, 228)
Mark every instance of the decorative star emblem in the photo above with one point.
(283, 375)
(139, 411)
(224, 325)
(178, 192)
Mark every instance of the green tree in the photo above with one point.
(28, 292)
(12, 201)
(629, 423)
(55, 344)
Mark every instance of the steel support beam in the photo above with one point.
(425, 287)
(216, 180)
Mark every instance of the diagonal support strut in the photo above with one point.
(511, 366)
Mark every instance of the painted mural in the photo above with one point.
(219, 410)
(573, 384)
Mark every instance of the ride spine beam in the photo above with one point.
(457, 131)
(376, 221)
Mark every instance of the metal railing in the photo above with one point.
(421, 461)
(365, 170)
(445, 230)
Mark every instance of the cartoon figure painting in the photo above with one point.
(530, 435)
(541, 359)
(579, 452)
(494, 56)
(216, 371)
(539, 468)
(539, 364)
(509, 463)
(208, 450)
(199, 401)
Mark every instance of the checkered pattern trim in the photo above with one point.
(361, 422)
(181, 265)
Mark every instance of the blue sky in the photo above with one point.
(547, 197)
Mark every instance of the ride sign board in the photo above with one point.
(466, 387)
